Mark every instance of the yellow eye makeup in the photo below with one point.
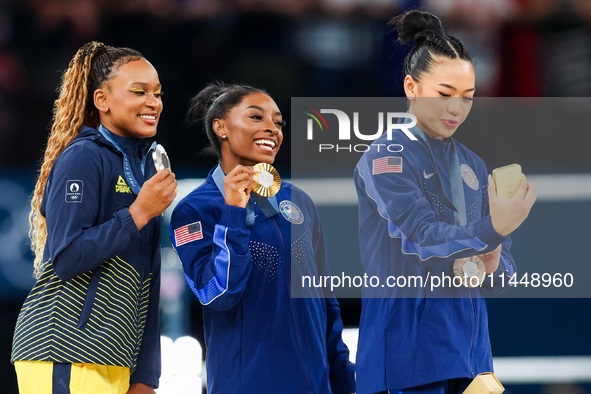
(157, 93)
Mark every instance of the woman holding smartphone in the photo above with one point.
(428, 213)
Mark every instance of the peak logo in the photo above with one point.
(345, 124)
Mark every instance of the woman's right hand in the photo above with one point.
(238, 185)
(156, 194)
(507, 215)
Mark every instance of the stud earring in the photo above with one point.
(410, 98)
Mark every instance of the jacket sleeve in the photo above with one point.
(341, 370)
(75, 241)
(216, 262)
(148, 367)
(400, 200)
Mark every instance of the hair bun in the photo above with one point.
(425, 36)
(216, 91)
(418, 26)
(201, 103)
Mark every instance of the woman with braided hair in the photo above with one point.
(90, 324)
(427, 217)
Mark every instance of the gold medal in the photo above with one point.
(267, 181)
(160, 158)
(469, 268)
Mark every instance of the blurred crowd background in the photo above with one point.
(523, 48)
(291, 48)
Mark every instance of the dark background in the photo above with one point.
(307, 48)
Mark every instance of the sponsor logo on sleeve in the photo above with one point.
(74, 189)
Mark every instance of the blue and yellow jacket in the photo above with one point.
(410, 335)
(259, 339)
(97, 298)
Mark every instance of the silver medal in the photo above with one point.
(471, 270)
(160, 158)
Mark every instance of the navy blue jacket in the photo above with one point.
(259, 339)
(97, 298)
(410, 336)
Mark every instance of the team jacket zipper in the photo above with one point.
(287, 278)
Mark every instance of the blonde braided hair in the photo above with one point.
(92, 65)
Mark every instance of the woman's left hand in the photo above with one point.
(140, 388)
(491, 260)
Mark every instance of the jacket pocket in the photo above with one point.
(90, 296)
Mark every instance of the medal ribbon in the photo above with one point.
(131, 180)
(267, 205)
(457, 193)
(455, 178)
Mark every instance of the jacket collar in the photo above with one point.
(89, 133)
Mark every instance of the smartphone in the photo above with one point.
(507, 180)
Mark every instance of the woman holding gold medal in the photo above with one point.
(236, 235)
(427, 214)
(91, 323)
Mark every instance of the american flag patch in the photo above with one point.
(189, 233)
(387, 164)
